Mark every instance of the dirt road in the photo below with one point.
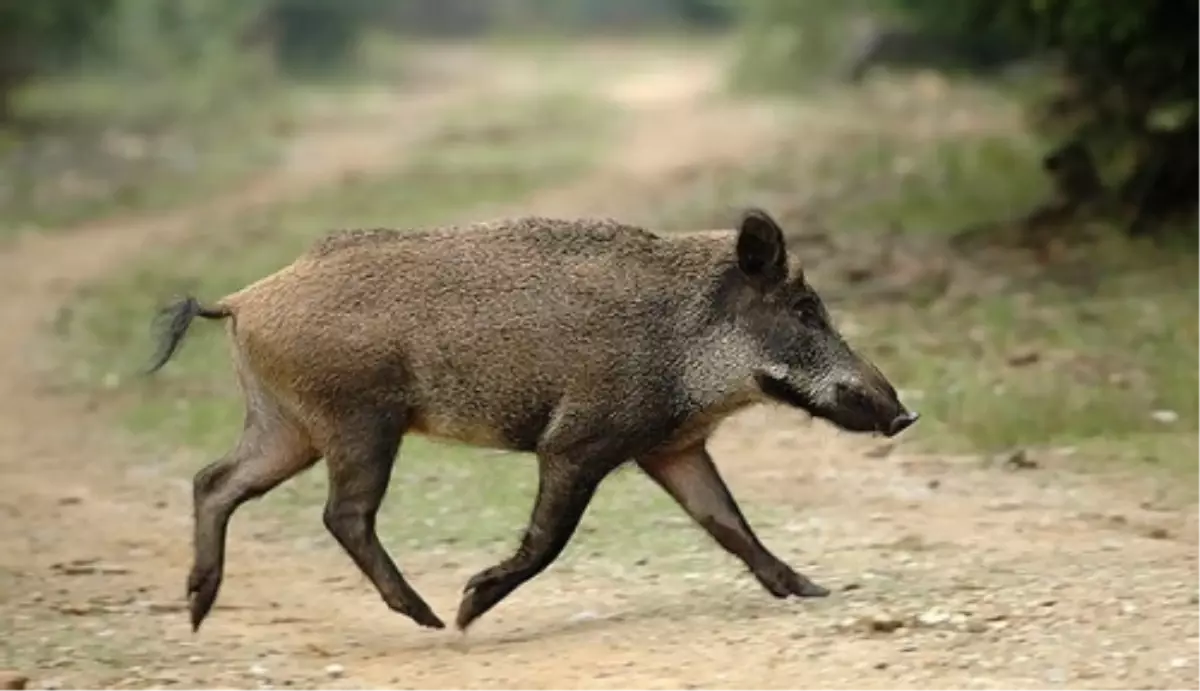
(949, 572)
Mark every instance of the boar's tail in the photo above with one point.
(172, 324)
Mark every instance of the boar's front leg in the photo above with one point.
(693, 481)
(568, 475)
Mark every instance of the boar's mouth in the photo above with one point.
(852, 413)
(783, 392)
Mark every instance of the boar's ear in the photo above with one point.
(761, 252)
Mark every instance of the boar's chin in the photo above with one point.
(784, 392)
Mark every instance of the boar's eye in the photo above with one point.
(804, 303)
(807, 309)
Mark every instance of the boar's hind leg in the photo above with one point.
(566, 482)
(693, 481)
(269, 452)
(360, 460)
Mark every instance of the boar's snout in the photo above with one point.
(902, 422)
(868, 403)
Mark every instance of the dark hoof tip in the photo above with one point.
(430, 622)
(197, 611)
(814, 590)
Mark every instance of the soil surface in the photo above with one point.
(947, 571)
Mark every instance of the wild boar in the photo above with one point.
(589, 343)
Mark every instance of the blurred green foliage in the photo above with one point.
(35, 36)
(151, 38)
(790, 45)
(1129, 60)
(1130, 93)
(1129, 73)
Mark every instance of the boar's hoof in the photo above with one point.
(202, 589)
(423, 616)
(781, 581)
(481, 594)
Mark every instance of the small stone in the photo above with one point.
(1017, 459)
(975, 626)
(257, 670)
(883, 622)
(70, 500)
(933, 617)
(934, 484)
(880, 665)
(75, 609)
(1179, 663)
(586, 615)
(851, 586)
(335, 671)
(1158, 534)
(13, 680)
(1165, 417)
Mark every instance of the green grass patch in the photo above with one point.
(1098, 354)
(109, 140)
(443, 496)
(1053, 364)
(98, 142)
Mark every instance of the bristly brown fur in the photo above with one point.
(587, 342)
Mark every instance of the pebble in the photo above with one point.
(1165, 417)
(335, 671)
(1158, 534)
(885, 623)
(975, 626)
(258, 671)
(933, 617)
(1017, 459)
(586, 615)
(1179, 663)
